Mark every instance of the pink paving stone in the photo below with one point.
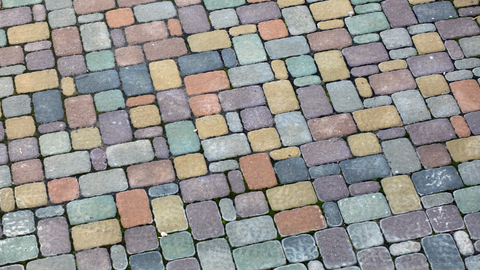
(390, 82)
(327, 151)
(149, 132)
(27, 171)
(364, 71)
(399, 228)
(194, 19)
(182, 3)
(3, 154)
(428, 64)
(365, 54)
(39, 13)
(173, 105)
(128, 3)
(205, 105)
(456, 28)
(235, 179)
(63, 190)
(241, 98)
(434, 155)
(11, 56)
(256, 118)
(469, 11)
(362, 188)
(391, 133)
(174, 27)
(330, 188)
(128, 56)
(204, 220)
(258, 12)
(66, 41)
(251, 204)
(331, 39)
(37, 46)
(460, 126)
(204, 188)
(399, 13)
(72, 65)
(99, 159)
(438, 130)
(314, 102)
(141, 239)
(23, 149)
(52, 127)
(15, 16)
(115, 127)
(337, 125)
(80, 111)
(146, 32)
(118, 38)
(445, 218)
(454, 49)
(88, 6)
(164, 49)
(97, 259)
(53, 236)
(40, 60)
(161, 148)
(151, 173)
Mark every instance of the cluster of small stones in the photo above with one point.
(239, 134)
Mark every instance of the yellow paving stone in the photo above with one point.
(465, 3)
(377, 118)
(96, 234)
(363, 87)
(7, 201)
(332, 24)
(243, 30)
(68, 86)
(364, 144)
(19, 127)
(428, 43)
(36, 81)
(464, 149)
(169, 214)
(86, 138)
(284, 153)
(145, 116)
(264, 139)
(191, 165)
(392, 65)
(432, 85)
(287, 3)
(31, 195)
(165, 75)
(401, 194)
(291, 196)
(280, 96)
(209, 41)
(332, 66)
(28, 33)
(331, 9)
(211, 126)
(416, 2)
(279, 69)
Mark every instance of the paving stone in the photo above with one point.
(95, 234)
(300, 248)
(430, 64)
(391, 82)
(438, 199)
(416, 111)
(432, 85)
(140, 239)
(99, 159)
(223, 18)
(331, 39)
(97, 82)
(467, 200)
(67, 164)
(181, 138)
(300, 220)
(258, 13)
(291, 170)
(250, 231)
(457, 28)
(222, 166)
(468, 171)
(63, 190)
(40, 60)
(468, 46)
(11, 56)
(52, 127)
(464, 244)
(27, 171)
(6, 86)
(338, 254)
(471, 221)
(28, 33)
(229, 58)
(154, 12)
(324, 170)
(152, 173)
(206, 82)
(375, 258)
(280, 96)
(169, 214)
(330, 188)
(100, 60)
(95, 17)
(237, 146)
(72, 65)
(264, 139)
(15, 16)
(20, 249)
(251, 74)
(251, 204)
(366, 38)
(118, 38)
(97, 258)
(186, 264)
(3, 38)
(133, 207)
(80, 111)
(258, 171)
(330, 10)
(18, 223)
(297, 195)
(62, 18)
(23, 149)
(467, 63)
(147, 260)
(141, 33)
(191, 165)
(145, 116)
(323, 152)
(436, 180)
(367, 23)
(204, 188)
(173, 105)
(161, 148)
(249, 49)
(399, 13)
(398, 228)
(253, 256)
(454, 49)
(365, 54)
(99, 183)
(30, 195)
(465, 92)
(459, 75)
(372, 167)
(95, 36)
(257, 117)
(272, 29)
(401, 156)
(364, 188)
(317, 265)
(432, 12)
(404, 248)
(472, 262)
(364, 144)
(420, 133)
(434, 155)
(443, 106)
(408, 201)
(209, 41)
(344, 96)
(367, 8)
(396, 38)
(227, 209)
(301, 66)
(200, 62)
(205, 220)
(53, 236)
(194, 19)
(178, 245)
(92, 209)
(109, 101)
(164, 49)
(298, 20)
(403, 53)
(4, 156)
(332, 126)
(136, 80)
(66, 262)
(214, 254)
(374, 206)
(8, 201)
(47, 106)
(285, 153)
(332, 214)
(163, 190)
(19, 127)
(441, 252)
(50, 211)
(286, 47)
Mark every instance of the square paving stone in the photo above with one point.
(434, 155)
(442, 254)
(173, 105)
(365, 168)
(365, 235)
(48, 106)
(330, 188)
(134, 208)
(401, 194)
(300, 248)
(445, 218)
(166, 209)
(18, 223)
(436, 180)
(204, 219)
(80, 111)
(136, 80)
(292, 128)
(335, 248)
(211, 126)
(27, 171)
(257, 117)
(412, 261)
(140, 239)
(23, 149)
(301, 66)
(251, 204)
(468, 171)
(181, 138)
(93, 259)
(191, 165)
(399, 228)
(291, 170)
(396, 38)
(215, 254)
(280, 96)
(109, 101)
(411, 106)
(299, 20)
(115, 127)
(249, 49)
(63, 190)
(364, 144)
(95, 36)
(375, 258)
(16, 105)
(258, 171)
(314, 102)
(147, 261)
(194, 19)
(100, 60)
(223, 18)
(259, 256)
(473, 121)
(184, 264)
(145, 116)
(344, 96)
(401, 156)
(443, 106)
(177, 245)
(468, 46)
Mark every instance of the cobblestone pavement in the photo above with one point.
(239, 134)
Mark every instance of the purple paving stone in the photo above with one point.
(326, 151)
(184, 264)
(39, 13)
(256, 118)
(23, 149)
(53, 236)
(416, 261)
(72, 65)
(251, 204)
(442, 253)
(115, 127)
(38, 46)
(331, 188)
(204, 188)
(140, 239)
(364, 71)
(97, 259)
(204, 220)
(445, 218)
(473, 121)
(15, 16)
(149, 132)
(399, 13)
(438, 130)
(241, 98)
(435, 11)
(99, 159)
(314, 101)
(473, 225)
(52, 127)
(364, 188)
(40, 60)
(399, 228)
(3, 154)
(335, 248)
(117, 37)
(235, 179)
(366, 54)
(377, 258)
(469, 11)
(194, 19)
(457, 28)
(454, 49)
(258, 12)
(391, 133)
(161, 148)
(173, 105)
(428, 64)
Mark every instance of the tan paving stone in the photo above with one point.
(291, 196)
(284, 153)
(465, 3)
(7, 200)
(169, 214)
(86, 138)
(96, 234)
(36, 81)
(332, 66)
(19, 127)
(28, 33)
(416, 2)
(279, 69)
(68, 86)
(331, 9)
(377, 118)
(464, 149)
(363, 87)
(332, 24)
(401, 194)
(392, 65)
(300, 220)
(432, 85)
(364, 144)
(243, 30)
(264, 139)
(191, 165)
(209, 41)
(287, 3)
(165, 75)
(211, 126)
(145, 116)
(280, 96)
(428, 43)
(31, 195)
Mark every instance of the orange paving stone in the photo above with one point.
(467, 94)
(140, 100)
(272, 29)
(207, 82)
(134, 208)
(119, 17)
(205, 105)
(258, 171)
(174, 27)
(128, 56)
(460, 126)
(300, 220)
(63, 190)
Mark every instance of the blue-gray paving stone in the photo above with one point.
(226, 147)
(291, 170)
(229, 58)
(435, 11)
(155, 11)
(411, 106)
(227, 209)
(458, 75)
(472, 262)
(18, 223)
(249, 49)
(184, 264)
(468, 199)
(366, 38)
(367, 8)
(307, 81)
(94, 17)
(99, 183)
(344, 96)
(292, 128)
(256, 118)
(224, 18)
(332, 214)
(367, 23)
(67, 164)
(401, 156)
(469, 46)
(364, 207)
(129, 153)
(443, 106)
(335, 248)
(250, 231)
(421, 28)
(436, 180)
(16, 106)
(476, 72)
(297, 266)
(234, 122)
(147, 261)
(399, 228)
(136, 80)
(12, 70)
(301, 65)
(91, 209)
(200, 62)
(5, 176)
(437, 199)
(163, 190)
(300, 248)
(181, 137)
(286, 47)
(119, 257)
(177, 245)
(18, 249)
(97, 82)
(3, 158)
(215, 254)
(470, 172)
(6, 86)
(57, 4)
(298, 20)
(377, 101)
(62, 18)
(442, 253)
(375, 259)
(48, 106)
(396, 38)
(221, 4)
(250, 74)
(259, 256)
(403, 53)
(365, 168)
(468, 63)
(324, 170)
(50, 211)
(477, 245)
(222, 166)
(62, 262)
(365, 235)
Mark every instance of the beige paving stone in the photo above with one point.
(284, 153)
(287, 3)
(416, 2)
(291, 196)
(145, 116)
(280, 96)
(264, 139)
(68, 86)
(465, 3)
(96, 234)
(31, 195)
(243, 30)
(392, 65)
(279, 69)
(401, 194)
(377, 118)
(331, 9)
(209, 41)
(211, 126)
(332, 24)
(363, 87)
(28, 33)
(332, 66)
(86, 138)
(165, 75)
(364, 144)
(190, 165)
(464, 149)
(36, 81)
(7, 200)
(19, 127)
(432, 85)
(428, 43)
(169, 214)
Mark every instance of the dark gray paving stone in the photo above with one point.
(235, 179)
(365, 235)
(184, 264)
(335, 248)
(147, 261)
(97, 82)
(23, 149)
(445, 218)
(436, 180)
(473, 225)
(63, 262)
(330, 188)
(375, 259)
(314, 102)
(436, 11)
(401, 156)
(49, 211)
(437, 199)
(286, 47)
(40, 60)
(16, 105)
(49, 127)
(428, 64)
(411, 106)
(365, 54)
(456, 28)
(204, 188)
(200, 62)
(250, 231)
(18, 223)
(416, 261)
(53, 236)
(97, 258)
(399, 13)
(229, 58)
(99, 159)
(48, 106)
(365, 168)
(323, 152)
(204, 219)
(251, 204)
(324, 170)
(241, 98)
(258, 12)
(163, 190)
(140, 239)
(291, 170)
(161, 148)
(75, 65)
(438, 130)
(194, 19)
(442, 254)
(332, 214)
(364, 70)
(115, 127)
(391, 133)
(259, 256)
(177, 245)
(256, 118)
(173, 105)
(473, 121)
(300, 248)
(215, 254)
(399, 228)
(135, 80)
(364, 188)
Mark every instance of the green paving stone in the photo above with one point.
(100, 60)
(18, 249)
(54, 143)
(468, 199)
(181, 138)
(18, 3)
(307, 80)
(177, 245)
(301, 66)
(92, 209)
(367, 8)
(367, 38)
(109, 101)
(249, 49)
(363, 208)
(219, 4)
(367, 23)
(259, 256)
(3, 38)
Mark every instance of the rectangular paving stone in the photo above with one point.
(63, 262)
(140, 239)
(152, 173)
(445, 218)
(399, 13)
(467, 199)
(258, 171)
(364, 207)
(103, 182)
(436, 180)
(97, 81)
(286, 47)
(323, 152)
(241, 98)
(401, 156)
(214, 254)
(96, 234)
(221, 4)
(367, 23)
(250, 74)
(344, 96)
(90, 210)
(331, 39)
(365, 54)
(332, 9)
(332, 126)
(335, 248)
(15, 16)
(437, 199)
(18, 249)
(300, 248)
(226, 147)
(204, 220)
(442, 253)
(300, 220)
(401, 194)
(53, 236)
(314, 102)
(173, 105)
(291, 196)
(147, 260)
(428, 64)
(438, 130)
(204, 188)
(200, 62)
(181, 138)
(390, 82)
(259, 256)
(258, 12)
(169, 214)
(129, 153)
(154, 11)
(18, 223)
(280, 96)
(28, 33)
(209, 41)
(67, 164)
(250, 231)
(399, 228)
(36, 81)
(332, 66)
(365, 168)
(461, 27)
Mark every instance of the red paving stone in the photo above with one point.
(134, 208)
(300, 220)
(206, 82)
(63, 190)
(80, 111)
(272, 29)
(258, 171)
(152, 173)
(467, 94)
(434, 155)
(205, 105)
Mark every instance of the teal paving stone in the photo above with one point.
(224, 18)
(367, 8)
(470, 172)
(361, 2)
(259, 256)
(109, 101)
(91, 209)
(226, 147)
(54, 143)
(222, 166)
(57, 4)
(62, 18)
(99, 183)
(442, 253)
(365, 168)
(301, 66)
(292, 128)
(177, 246)
(250, 231)
(200, 62)
(18, 3)
(299, 20)
(67, 164)
(97, 81)
(297, 266)
(3, 38)
(227, 209)
(366, 38)
(396, 38)
(344, 96)
(286, 47)
(147, 261)
(436, 180)
(364, 207)
(375, 259)
(154, 11)
(6, 87)
(468, 199)
(401, 156)
(249, 49)
(221, 4)
(332, 214)
(18, 223)
(62, 262)
(181, 138)
(365, 235)
(5, 176)
(335, 248)
(437, 199)
(95, 36)
(18, 249)
(12, 70)
(300, 248)
(377, 101)
(291, 170)
(472, 262)
(443, 106)
(16, 106)
(95, 17)
(130, 153)
(250, 74)
(136, 80)
(101, 60)
(215, 254)
(324, 170)
(163, 190)
(50, 211)
(119, 257)
(367, 23)
(229, 58)
(307, 81)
